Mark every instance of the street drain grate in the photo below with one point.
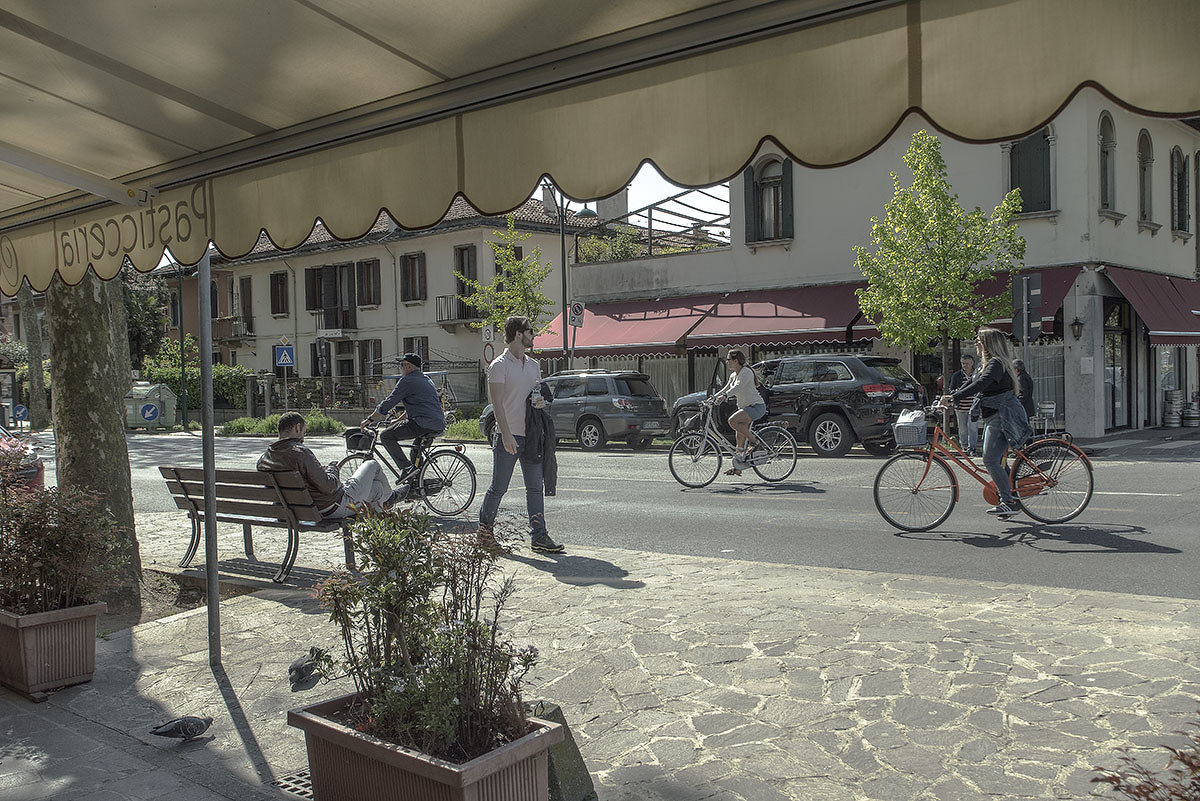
(298, 783)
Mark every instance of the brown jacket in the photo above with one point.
(290, 454)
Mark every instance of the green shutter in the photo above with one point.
(786, 226)
(751, 205)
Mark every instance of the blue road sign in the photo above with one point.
(149, 412)
(20, 412)
(285, 355)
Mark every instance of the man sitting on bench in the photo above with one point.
(368, 486)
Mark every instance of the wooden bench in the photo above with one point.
(253, 498)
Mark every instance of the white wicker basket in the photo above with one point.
(911, 430)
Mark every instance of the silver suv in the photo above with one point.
(595, 406)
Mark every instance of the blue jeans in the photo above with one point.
(994, 445)
(503, 463)
(968, 430)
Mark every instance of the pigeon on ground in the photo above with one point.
(185, 728)
(302, 673)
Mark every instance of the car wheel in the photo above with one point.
(489, 429)
(639, 442)
(591, 434)
(884, 447)
(830, 435)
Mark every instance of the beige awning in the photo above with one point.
(247, 116)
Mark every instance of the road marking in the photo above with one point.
(1183, 444)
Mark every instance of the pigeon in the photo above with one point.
(302, 673)
(185, 728)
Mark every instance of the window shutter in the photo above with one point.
(786, 227)
(376, 282)
(312, 289)
(751, 196)
(329, 296)
(420, 279)
(361, 278)
(316, 365)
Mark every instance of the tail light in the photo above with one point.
(878, 390)
(622, 403)
(458, 446)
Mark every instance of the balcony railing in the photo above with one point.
(230, 328)
(449, 309)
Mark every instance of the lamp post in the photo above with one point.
(553, 199)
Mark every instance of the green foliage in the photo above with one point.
(229, 382)
(931, 255)
(464, 429)
(13, 350)
(1180, 782)
(616, 243)
(58, 548)
(420, 637)
(516, 289)
(316, 422)
(146, 300)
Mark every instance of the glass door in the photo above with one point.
(1116, 364)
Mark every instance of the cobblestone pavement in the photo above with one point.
(681, 677)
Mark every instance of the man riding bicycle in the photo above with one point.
(422, 406)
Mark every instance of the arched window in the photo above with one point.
(1145, 163)
(212, 300)
(768, 194)
(1031, 169)
(1179, 191)
(1108, 170)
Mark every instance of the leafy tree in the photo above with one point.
(146, 299)
(931, 255)
(615, 243)
(229, 381)
(517, 288)
(13, 350)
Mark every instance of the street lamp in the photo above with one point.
(552, 199)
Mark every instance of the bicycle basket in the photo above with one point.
(910, 429)
(357, 439)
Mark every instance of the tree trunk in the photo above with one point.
(38, 413)
(946, 380)
(89, 431)
(115, 289)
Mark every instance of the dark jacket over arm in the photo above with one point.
(539, 446)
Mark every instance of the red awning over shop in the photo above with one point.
(1160, 304)
(781, 317)
(632, 328)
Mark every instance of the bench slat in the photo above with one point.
(269, 511)
(254, 478)
(294, 497)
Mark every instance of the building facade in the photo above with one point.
(1109, 217)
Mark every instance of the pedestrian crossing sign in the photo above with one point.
(285, 355)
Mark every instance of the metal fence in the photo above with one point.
(461, 382)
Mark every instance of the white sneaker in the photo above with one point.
(1004, 510)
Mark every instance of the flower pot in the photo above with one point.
(347, 765)
(48, 650)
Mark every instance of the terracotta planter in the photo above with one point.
(48, 650)
(347, 765)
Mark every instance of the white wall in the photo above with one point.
(833, 208)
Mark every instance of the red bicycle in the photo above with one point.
(916, 489)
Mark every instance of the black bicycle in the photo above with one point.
(443, 477)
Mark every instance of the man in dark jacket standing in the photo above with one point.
(369, 486)
(968, 429)
(1024, 387)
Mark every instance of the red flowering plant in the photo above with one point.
(420, 630)
(57, 548)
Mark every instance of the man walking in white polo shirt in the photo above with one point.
(512, 379)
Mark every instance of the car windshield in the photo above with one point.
(892, 370)
(635, 387)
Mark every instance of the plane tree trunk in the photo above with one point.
(89, 431)
(39, 414)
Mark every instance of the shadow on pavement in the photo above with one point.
(1065, 538)
(765, 489)
(580, 571)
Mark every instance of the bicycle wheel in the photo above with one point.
(447, 482)
(695, 460)
(349, 466)
(1053, 481)
(781, 453)
(915, 492)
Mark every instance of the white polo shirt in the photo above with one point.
(519, 377)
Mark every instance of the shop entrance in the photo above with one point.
(1116, 364)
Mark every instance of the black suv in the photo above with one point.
(831, 400)
(595, 406)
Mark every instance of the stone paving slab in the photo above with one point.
(681, 677)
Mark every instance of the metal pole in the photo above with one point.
(562, 241)
(182, 356)
(208, 448)
(1025, 318)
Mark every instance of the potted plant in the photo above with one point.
(437, 711)
(57, 551)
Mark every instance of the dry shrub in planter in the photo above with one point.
(1180, 781)
(422, 642)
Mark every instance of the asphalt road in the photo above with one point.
(1139, 534)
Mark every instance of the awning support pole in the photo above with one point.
(208, 449)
